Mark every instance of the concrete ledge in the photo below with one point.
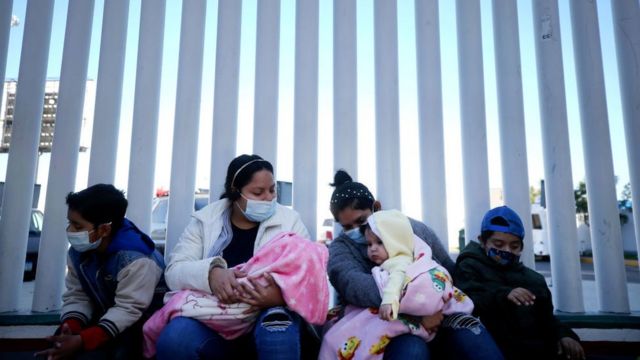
(603, 350)
(601, 333)
(28, 325)
(21, 348)
(627, 262)
(29, 318)
(606, 336)
(600, 320)
(610, 335)
(27, 331)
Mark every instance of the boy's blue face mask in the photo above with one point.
(503, 257)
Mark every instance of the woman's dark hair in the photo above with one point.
(240, 172)
(349, 194)
(99, 204)
(363, 228)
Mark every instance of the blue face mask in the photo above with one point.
(503, 257)
(258, 211)
(356, 235)
(80, 241)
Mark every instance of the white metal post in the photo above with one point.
(385, 13)
(187, 119)
(432, 168)
(305, 103)
(345, 87)
(475, 161)
(23, 152)
(106, 119)
(146, 108)
(225, 98)
(604, 221)
(513, 142)
(5, 29)
(626, 23)
(265, 115)
(64, 155)
(565, 263)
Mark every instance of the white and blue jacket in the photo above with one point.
(116, 287)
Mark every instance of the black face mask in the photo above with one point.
(503, 257)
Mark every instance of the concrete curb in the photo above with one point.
(627, 262)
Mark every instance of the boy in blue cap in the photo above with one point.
(113, 270)
(512, 301)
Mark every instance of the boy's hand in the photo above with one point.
(570, 348)
(224, 285)
(64, 345)
(385, 312)
(431, 323)
(521, 296)
(261, 296)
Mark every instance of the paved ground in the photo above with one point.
(633, 272)
(589, 287)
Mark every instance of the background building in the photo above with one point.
(48, 114)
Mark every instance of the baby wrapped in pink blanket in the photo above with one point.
(425, 288)
(297, 265)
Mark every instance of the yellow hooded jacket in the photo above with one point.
(394, 229)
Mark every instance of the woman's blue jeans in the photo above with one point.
(463, 336)
(460, 336)
(275, 336)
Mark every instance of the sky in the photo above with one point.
(410, 162)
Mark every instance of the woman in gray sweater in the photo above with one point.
(459, 336)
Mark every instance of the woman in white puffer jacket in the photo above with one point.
(224, 234)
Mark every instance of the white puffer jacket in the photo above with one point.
(188, 266)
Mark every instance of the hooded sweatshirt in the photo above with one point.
(394, 229)
(519, 330)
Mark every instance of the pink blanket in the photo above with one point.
(361, 334)
(297, 265)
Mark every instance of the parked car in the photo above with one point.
(35, 230)
(325, 234)
(159, 217)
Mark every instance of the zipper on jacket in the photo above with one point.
(93, 289)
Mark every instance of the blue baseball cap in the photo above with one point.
(509, 216)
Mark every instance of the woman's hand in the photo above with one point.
(521, 296)
(64, 345)
(261, 296)
(224, 284)
(570, 348)
(385, 312)
(432, 322)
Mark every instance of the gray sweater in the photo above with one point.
(350, 268)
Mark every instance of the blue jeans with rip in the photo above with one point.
(463, 336)
(460, 336)
(275, 336)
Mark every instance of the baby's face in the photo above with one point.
(375, 248)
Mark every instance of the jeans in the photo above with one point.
(460, 336)
(406, 346)
(276, 336)
(463, 336)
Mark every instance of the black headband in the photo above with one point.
(351, 190)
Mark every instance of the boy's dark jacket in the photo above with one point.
(517, 329)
